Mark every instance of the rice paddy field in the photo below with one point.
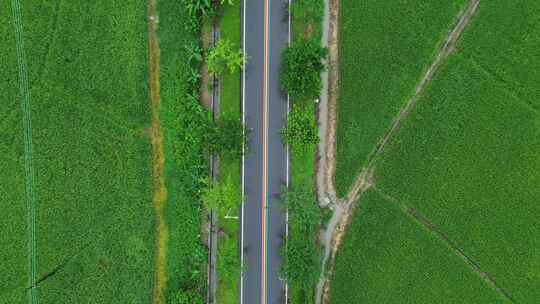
(12, 196)
(388, 257)
(384, 47)
(467, 159)
(91, 157)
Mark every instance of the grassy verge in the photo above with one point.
(228, 261)
(89, 105)
(384, 47)
(301, 261)
(468, 158)
(391, 258)
(184, 122)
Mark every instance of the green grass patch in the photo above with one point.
(228, 260)
(388, 257)
(384, 48)
(89, 105)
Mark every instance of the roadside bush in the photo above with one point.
(301, 68)
(220, 196)
(301, 129)
(187, 297)
(308, 11)
(223, 58)
(226, 136)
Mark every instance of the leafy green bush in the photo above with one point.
(308, 11)
(223, 58)
(187, 297)
(301, 129)
(220, 196)
(226, 136)
(301, 68)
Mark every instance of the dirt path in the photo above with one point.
(364, 180)
(322, 119)
(333, 93)
(158, 157)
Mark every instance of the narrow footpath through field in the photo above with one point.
(28, 152)
(158, 158)
(336, 229)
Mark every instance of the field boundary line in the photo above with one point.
(429, 226)
(31, 199)
(505, 84)
(364, 179)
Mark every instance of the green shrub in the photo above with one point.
(301, 68)
(308, 11)
(226, 136)
(220, 196)
(223, 58)
(301, 129)
(187, 297)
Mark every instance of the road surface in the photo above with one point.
(265, 34)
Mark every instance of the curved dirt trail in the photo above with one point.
(364, 179)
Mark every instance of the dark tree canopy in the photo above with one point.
(301, 68)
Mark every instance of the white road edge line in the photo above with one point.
(243, 152)
(287, 149)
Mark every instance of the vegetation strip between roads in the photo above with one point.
(28, 152)
(157, 157)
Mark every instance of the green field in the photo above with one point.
(388, 257)
(384, 48)
(228, 260)
(468, 160)
(91, 154)
(12, 195)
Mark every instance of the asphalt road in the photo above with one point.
(265, 34)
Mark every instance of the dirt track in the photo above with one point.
(158, 157)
